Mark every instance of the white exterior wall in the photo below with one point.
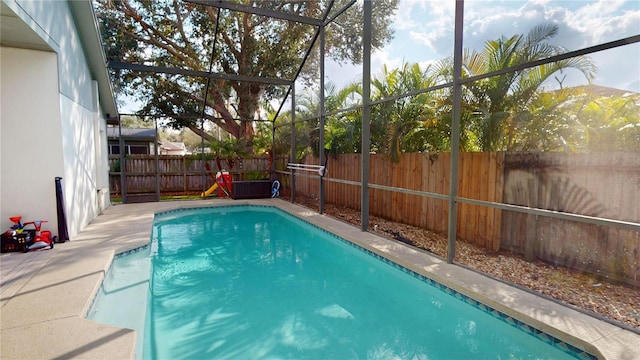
(31, 155)
(64, 116)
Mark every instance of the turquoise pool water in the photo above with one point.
(250, 282)
(122, 299)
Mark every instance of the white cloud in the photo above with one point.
(403, 18)
(424, 32)
(581, 24)
(428, 39)
(428, 10)
(540, 2)
(425, 27)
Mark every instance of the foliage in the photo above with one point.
(342, 130)
(509, 111)
(263, 138)
(256, 175)
(303, 137)
(501, 103)
(191, 140)
(229, 150)
(180, 34)
(130, 121)
(409, 123)
(503, 112)
(600, 122)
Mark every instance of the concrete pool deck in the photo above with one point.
(45, 295)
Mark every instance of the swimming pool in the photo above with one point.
(255, 282)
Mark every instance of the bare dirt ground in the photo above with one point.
(617, 302)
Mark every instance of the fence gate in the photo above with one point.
(135, 179)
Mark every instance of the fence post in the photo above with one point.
(184, 173)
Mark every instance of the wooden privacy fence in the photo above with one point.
(186, 174)
(419, 172)
(604, 185)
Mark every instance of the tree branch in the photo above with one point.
(169, 45)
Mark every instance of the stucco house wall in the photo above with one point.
(53, 114)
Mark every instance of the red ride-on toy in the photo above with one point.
(42, 239)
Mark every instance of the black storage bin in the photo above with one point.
(252, 189)
(16, 242)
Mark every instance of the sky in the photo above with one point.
(424, 33)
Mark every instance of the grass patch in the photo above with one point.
(179, 197)
(118, 200)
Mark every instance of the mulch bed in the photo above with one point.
(614, 301)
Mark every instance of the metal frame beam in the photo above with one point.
(258, 11)
(119, 65)
(321, 122)
(590, 50)
(191, 116)
(306, 56)
(123, 164)
(339, 12)
(366, 116)
(455, 132)
(293, 142)
(156, 161)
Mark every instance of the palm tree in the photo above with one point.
(407, 123)
(500, 103)
(342, 130)
(603, 122)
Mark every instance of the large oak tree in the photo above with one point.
(179, 34)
